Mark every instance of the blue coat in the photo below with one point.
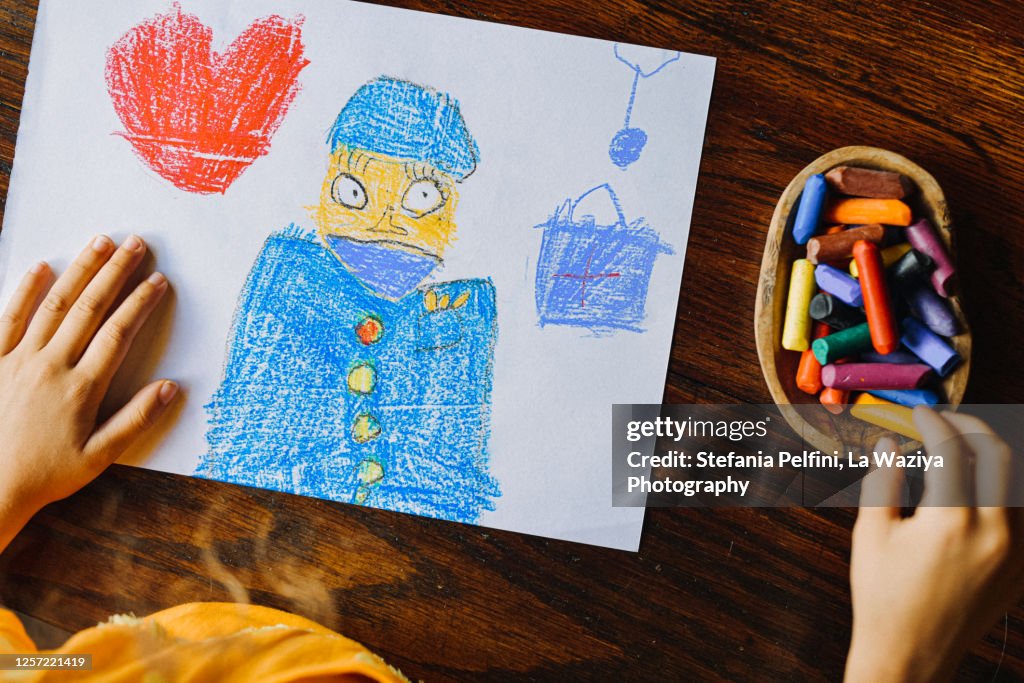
(332, 391)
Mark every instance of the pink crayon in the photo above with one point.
(863, 376)
(922, 236)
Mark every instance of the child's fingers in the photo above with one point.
(66, 290)
(993, 461)
(880, 490)
(108, 348)
(128, 424)
(952, 484)
(86, 314)
(16, 316)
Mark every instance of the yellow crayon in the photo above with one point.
(796, 330)
(885, 414)
(890, 255)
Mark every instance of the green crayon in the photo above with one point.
(844, 343)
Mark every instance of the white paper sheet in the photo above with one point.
(543, 109)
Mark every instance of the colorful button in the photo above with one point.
(365, 428)
(370, 472)
(369, 330)
(362, 378)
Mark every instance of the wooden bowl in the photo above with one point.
(828, 432)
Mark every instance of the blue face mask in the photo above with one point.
(389, 271)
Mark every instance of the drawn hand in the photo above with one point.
(925, 588)
(56, 364)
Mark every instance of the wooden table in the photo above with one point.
(739, 594)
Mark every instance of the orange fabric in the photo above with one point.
(12, 635)
(201, 642)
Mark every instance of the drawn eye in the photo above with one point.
(348, 191)
(422, 197)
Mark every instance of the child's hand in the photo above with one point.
(925, 588)
(56, 364)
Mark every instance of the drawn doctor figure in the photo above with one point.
(347, 377)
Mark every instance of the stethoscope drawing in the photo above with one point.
(629, 142)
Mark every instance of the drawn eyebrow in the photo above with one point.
(420, 170)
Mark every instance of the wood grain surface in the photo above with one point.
(712, 595)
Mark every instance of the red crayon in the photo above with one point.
(884, 334)
(808, 373)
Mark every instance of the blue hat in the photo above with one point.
(407, 121)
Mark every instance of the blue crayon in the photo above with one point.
(808, 214)
(899, 356)
(929, 347)
(838, 284)
(907, 397)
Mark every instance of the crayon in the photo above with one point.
(834, 313)
(922, 236)
(885, 414)
(848, 342)
(890, 255)
(834, 400)
(832, 247)
(907, 397)
(929, 308)
(796, 328)
(865, 211)
(898, 356)
(863, 376)
(808, 373)
(842, 263)
(838, 284)
(808, 214)
(884, 336)
(929, 347)
(910, 269)
(866, 182)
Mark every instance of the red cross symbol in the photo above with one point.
(586, 275)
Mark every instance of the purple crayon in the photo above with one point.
(928, 346)
(932, 310)
(922, 236)
(897, 357)
(838, 284)
(864, 376)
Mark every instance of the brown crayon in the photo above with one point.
(866, 182)
(838, 246)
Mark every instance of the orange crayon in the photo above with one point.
(808, 373)
(884, 334)
(865, 211)
(834, 400)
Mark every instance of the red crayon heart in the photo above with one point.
(196, 117)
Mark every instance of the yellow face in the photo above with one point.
(368, 197)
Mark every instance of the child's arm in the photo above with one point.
(56, 364)
(927, 587)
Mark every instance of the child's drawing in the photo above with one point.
(347, 377)
(196, 117)
(629, 142)
(594, 267)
